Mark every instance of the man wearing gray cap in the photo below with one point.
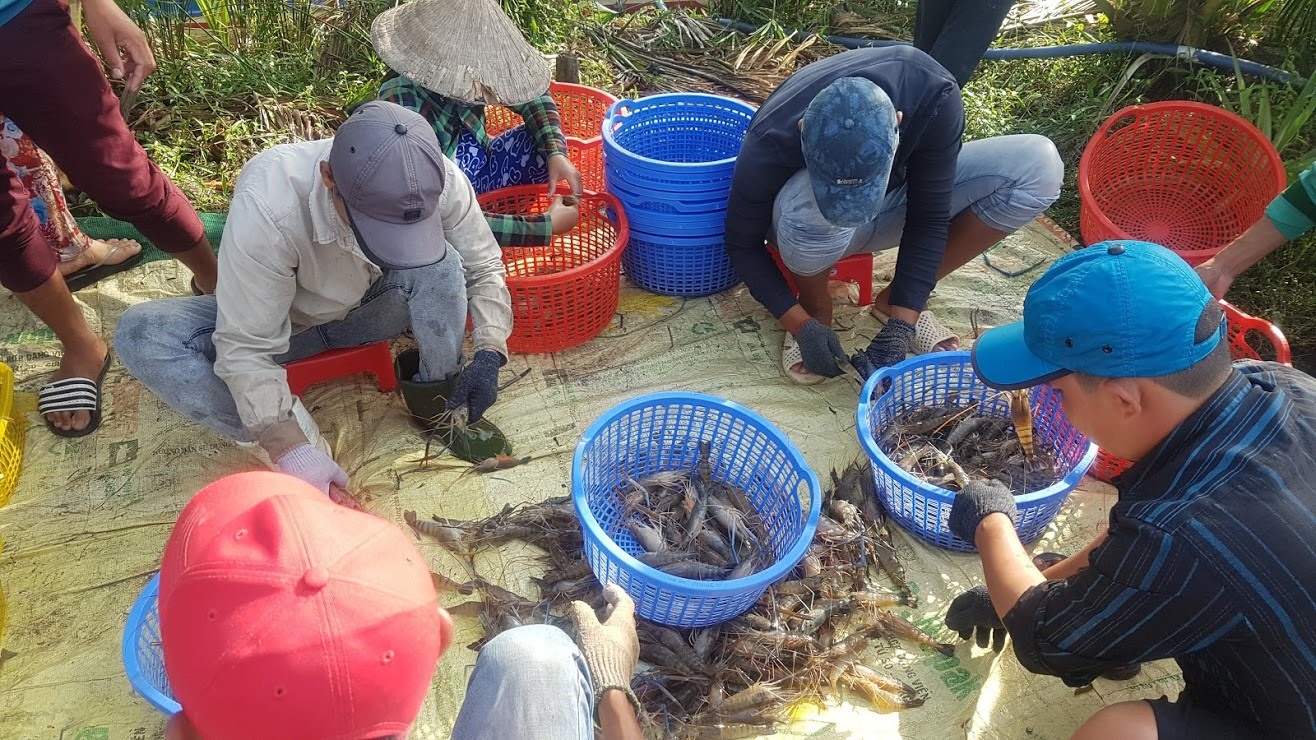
(331, 244)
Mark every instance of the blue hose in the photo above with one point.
(1187, 53)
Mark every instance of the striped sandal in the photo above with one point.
(73, 394)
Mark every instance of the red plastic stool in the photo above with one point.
(857, 268)
(375, 359)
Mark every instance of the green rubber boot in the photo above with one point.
(428, 403)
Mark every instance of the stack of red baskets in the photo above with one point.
(1241, 329)
(563, 294)
(1187, 176)
(582, 110)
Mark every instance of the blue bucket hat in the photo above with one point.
(1120, 309)
(849, 141)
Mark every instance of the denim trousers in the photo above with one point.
(167, 344)
(1006, 181)
(957, 32)
(529, 682)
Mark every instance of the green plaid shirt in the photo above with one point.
(449, 116)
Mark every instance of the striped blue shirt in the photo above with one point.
(1210, 559)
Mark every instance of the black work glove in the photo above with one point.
(975, 502)
(972, 612)
(477, 388)
(820, 349)
(887, 348)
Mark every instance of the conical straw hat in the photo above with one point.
(464, 49)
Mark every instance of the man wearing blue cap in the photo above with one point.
(861, 152)
(1208, 555)
(331, 244)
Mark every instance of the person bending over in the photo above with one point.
(862, 152)
(1207, 557)
(332, 244)
(284, 615)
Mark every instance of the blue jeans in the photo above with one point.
(529, 682)
(957, 32)
(167, 344)
(1006, 181)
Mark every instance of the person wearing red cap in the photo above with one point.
(284, 615)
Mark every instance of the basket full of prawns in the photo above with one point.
(693, 504)
(931, 426)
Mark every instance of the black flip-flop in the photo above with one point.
(74, 394)
(89, 276)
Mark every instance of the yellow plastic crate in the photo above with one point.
(2, 600)
(11, 437)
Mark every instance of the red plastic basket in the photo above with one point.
(581, 108)
(563, 294)
(1188, 176)
(588, 158)
(1240, 331)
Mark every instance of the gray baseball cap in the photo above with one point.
(388, 167)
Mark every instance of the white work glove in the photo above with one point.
(312, 465)
(611, 648)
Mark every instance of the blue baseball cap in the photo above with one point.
(1118, 309)
(849, 140)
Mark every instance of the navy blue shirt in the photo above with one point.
(1210, 559)
(930, 133)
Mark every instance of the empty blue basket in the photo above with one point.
(143, 658)
(712, 203)
(662, 431)
(676, 137)
(656, 223)
(943, 379)
(679, 265)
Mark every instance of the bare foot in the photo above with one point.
(947, 345)
(78, 362)
(100, 250)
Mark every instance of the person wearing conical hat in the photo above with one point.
(450, 58)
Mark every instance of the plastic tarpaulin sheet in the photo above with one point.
(86, 527)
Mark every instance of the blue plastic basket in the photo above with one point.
(676, 266)
(675, 224)
(662, 431)
(677, 136)
(143, 658)
(629, 176)
(941, 379)
(669, 202)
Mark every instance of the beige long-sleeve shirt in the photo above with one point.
(288, 262)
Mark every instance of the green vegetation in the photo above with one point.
(263, 72)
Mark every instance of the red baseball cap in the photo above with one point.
(285, 615)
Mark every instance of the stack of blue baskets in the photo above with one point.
(669, 160)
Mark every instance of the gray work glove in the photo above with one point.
(972, 612)
(311, 464)
(975, 502)
(477, 388)
(611, 648)
(890, 346)
(820, 349)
